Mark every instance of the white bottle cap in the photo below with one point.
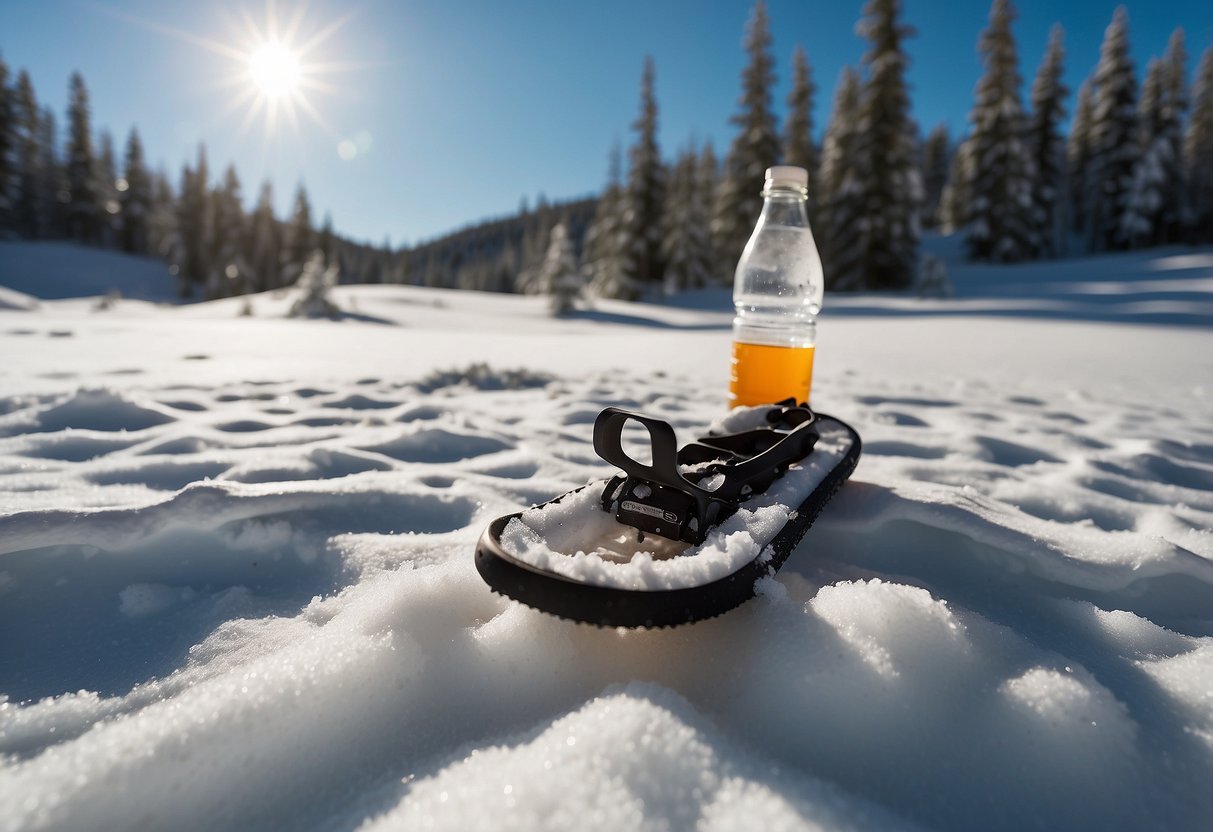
(788, 175)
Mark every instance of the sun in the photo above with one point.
(275, 70)
(277, 66)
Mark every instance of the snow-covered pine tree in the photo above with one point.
(1078, 163)
(82, 209)
(685, 240)
(264, 242)
(30, 212)
(936, 157)
(607, 259)
(230, 272)
(297, 241)
(106, 188)
(315, 282)
(559, 277)
(957, 198)
(720, 270)
(840, 226)
(537, 231)
(889, 179)
(8, 144)
(1114, 136)
(1139, 222)
(1198, 155)
(135, 192)
(1001, 224)
(1046, 145)
(1175, 106)
(755, 148)
(798, 146)
(644, 196)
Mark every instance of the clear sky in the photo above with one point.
(426, 116)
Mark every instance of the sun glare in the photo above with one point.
(274, 69)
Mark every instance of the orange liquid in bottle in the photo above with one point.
(762, 374)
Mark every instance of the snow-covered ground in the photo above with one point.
(237, 588)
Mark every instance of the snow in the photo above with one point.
(63, 270)
(237, 588)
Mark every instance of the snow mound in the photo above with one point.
(18, 301)
(52, 270)
(87, 409)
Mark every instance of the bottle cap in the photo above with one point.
(787, 175)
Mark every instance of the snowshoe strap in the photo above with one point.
(666, 497)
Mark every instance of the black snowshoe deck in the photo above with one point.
(665, 498)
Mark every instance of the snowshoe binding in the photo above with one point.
(682, 538)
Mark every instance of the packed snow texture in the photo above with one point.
(237, 586)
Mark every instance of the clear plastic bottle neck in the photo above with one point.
(785, 205)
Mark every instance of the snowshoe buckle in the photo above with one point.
(661, 499)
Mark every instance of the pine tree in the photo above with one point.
(1078, 162)
(840, 198)
(1140, 221)
(135, 189)
(607, 261)
(264, 242)
(644, 196)
(890, 182)
(326, 241)
(755, 148)
(230, 273)
(297, 242)
(936, 157)
(315, 282)
(720, 270)
(685, 239)
(1198, 155)
(1046, 144)
(1114, 137)
(559, 277)
(106, 188)
(82, 213)
(956, 201)
(798, 129)
(1001, 223)
(8, 144)
(54, 196)
(501, 277)
(31, 218)
(535, 237)
(162, 232)
(1175, 108)
(195, 224)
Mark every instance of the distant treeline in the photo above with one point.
(1136, 169)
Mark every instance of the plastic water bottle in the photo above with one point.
(777, 291)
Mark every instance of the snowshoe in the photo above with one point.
(682, 538)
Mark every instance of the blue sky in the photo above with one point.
(459, 110)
